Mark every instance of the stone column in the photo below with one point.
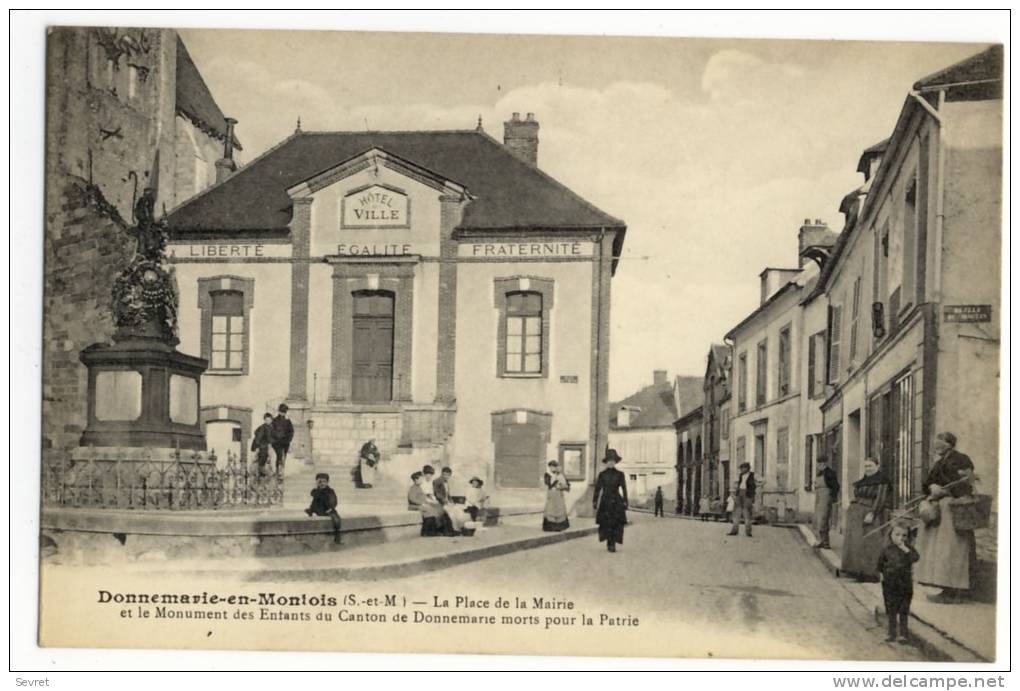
(300, 229)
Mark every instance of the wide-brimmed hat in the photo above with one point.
(611, 455)
(474, 480)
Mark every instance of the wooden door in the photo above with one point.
(372, 368)
(519, 456)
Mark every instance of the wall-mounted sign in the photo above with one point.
(568, 379)
(228, 251)
(374, 249)
(375, 206)
(520, 250)
(967, 313)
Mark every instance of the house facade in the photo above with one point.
(913, 287)
(716, 412)
(433, 291)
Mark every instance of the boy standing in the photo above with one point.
(324, 503)
(895, 564)
(261, 443)
(283, 434)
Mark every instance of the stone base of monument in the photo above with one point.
(82, 536)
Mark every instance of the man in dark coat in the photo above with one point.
(826, 494)
(743, 494)
(610, 502)
(658, 502)
(262, 441)
(283, 433)
(441, 491)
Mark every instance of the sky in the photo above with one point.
(712, 151)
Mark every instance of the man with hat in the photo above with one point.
(743, 493)
(283, 433)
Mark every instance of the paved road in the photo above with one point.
(696, 592)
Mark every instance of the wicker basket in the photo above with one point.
(971, 513)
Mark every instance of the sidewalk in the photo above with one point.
(396, 559)
(962, 632)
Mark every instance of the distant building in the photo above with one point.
(689, 428)
(716, 412)
(126, 109)
(641, 431)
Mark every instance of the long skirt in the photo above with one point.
(367, 472)
(457, 516)
(823, 510)
(946, 555)
(554, 518)
(860, 553)
(612, 518)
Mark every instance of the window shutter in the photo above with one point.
(835, 324)
(811, 367)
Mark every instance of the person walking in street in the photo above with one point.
(283, 434)
(610, 502)
(869, 509)
(948, 555)
(261, 444)
(368, 462)
(743, 492)
(324, 503)
(826, 494)
(895, 563)
(658, 502)
(554, 517)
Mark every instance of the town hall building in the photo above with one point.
(434, 291)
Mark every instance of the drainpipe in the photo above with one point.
(939, 188)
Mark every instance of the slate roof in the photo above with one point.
(508, 193)
(977, 77)
(194, 100)
(656, 404)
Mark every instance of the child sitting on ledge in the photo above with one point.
(324, 503)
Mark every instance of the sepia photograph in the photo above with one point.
(521, 343)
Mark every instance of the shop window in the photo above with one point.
(523, 339)
(226, 303)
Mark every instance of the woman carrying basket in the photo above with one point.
(947, 554)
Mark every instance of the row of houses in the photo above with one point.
(879, 337)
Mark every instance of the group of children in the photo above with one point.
(442, 513)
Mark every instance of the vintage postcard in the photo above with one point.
(537, 345)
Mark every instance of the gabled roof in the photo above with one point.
(870, 154)
(194, 100)
(976, 78)
(717, 355)
(657, 408)
(507, 193)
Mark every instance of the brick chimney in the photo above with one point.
(521, 137)
(659, 377)
(226, 166)
(814, 241)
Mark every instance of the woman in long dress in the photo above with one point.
(610, 502)
(554, 518)
(869, 509)
(947, 554)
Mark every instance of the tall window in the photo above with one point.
(742, 383)
(226, 303)
(724, 423)
(227, 330)
(524, 333)
(855, 313)
(835, 327)
(784, 361)
(741, 450)
(760, 394)
(816, 365)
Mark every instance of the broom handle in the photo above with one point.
(911, 505)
